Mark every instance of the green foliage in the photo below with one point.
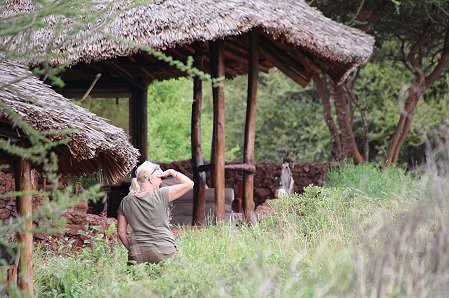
(312, 212)
(96, 271)
(379, 87)
(115, 110)
(169, 117)
(289, 118)
(400, 27)
(373, 182)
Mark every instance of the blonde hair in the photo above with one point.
(142, 173)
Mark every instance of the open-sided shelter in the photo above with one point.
(90, 143)
(225, 38)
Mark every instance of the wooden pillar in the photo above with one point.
(199, 193)
(218, 71)
(250, 127)
(138, 120)
(24, 210)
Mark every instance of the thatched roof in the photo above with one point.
(95, 146)
(336, 48)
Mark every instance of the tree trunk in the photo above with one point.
(403, 127)
(327, 114)
(415, 92)
(343, 117)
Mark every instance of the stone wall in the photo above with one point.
(7, 206)
(304, 174)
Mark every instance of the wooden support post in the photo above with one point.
(199, 193)
(24, 210)
(138, 120)
(218, 71)
(250, 127)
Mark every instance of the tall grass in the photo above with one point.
(362, 235)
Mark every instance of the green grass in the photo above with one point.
(361, 235)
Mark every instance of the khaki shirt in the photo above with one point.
(148, 218)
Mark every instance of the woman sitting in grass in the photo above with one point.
(145, 210)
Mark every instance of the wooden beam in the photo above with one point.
(303, 58)
(285, 64)
(138, 119)
(232, 167)
(24, 210)
(310, 61)
(206, 168)
(299, 54)
(250, 127)
(218, 71)
(125, 75)
(105, 87)
(199, 178)
(240, 47)
(145, 71)
(120, 70)
(206, 59)
(231, 55)
(96, 93)
(250, 169)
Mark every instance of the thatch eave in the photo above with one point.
(163, 25)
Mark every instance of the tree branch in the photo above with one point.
(435, 74)
(412, 55)
(404, 56)
(324, 94)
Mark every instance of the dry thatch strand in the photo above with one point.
(94, 146)
(171, 23)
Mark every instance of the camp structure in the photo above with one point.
(86, 144)
(130, 45)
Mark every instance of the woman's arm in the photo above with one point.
(175, 191)
(121, 230)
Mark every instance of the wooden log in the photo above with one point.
(24, 210)
(138, 120)
(250, 127)
(199, 196)
(218, 67)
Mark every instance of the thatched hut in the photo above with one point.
(226, 38)
(92, 145)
